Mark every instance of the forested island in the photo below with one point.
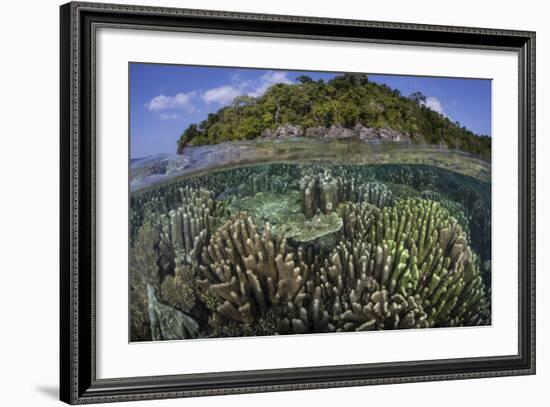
(347, 106)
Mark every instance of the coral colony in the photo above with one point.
(283, 249)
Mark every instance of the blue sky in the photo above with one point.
(165, 99)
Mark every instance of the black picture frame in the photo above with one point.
(78, 382)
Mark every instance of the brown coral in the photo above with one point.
(247, 272)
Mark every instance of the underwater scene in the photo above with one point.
(337, 221)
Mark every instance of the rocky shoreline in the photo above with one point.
(359, 132)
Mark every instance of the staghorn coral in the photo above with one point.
(455, 209)
(384, 312)
(144, 254)
(375, 193)
(164, 256)
(358, 219)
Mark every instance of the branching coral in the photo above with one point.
(406, 266)
(332, 251)
(187, 227)
(319, 192)
(455, 209)
(345, 292)
(358, 219)
(164, 256)
(145, 253)
(246, 271)
(431, 258)
(322, 193)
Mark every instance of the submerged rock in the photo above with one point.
(168, 323)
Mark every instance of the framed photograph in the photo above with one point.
(255, 203)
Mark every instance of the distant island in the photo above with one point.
(349, 106)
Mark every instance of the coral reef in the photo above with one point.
(284, 249)
(408, 266)
(319, 227)
(163, 258)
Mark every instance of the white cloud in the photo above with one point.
(168, 116)
(239, 82)
(435, 104)
(222, 95)
(267, 80)
(179, 101)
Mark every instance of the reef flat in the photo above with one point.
(298, 248)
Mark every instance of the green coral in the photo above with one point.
(435, 262)
(402, 267)
(455, 209)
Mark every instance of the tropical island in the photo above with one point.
(348, 106)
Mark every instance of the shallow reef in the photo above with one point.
(287, 248)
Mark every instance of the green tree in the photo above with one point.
(344, 100)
